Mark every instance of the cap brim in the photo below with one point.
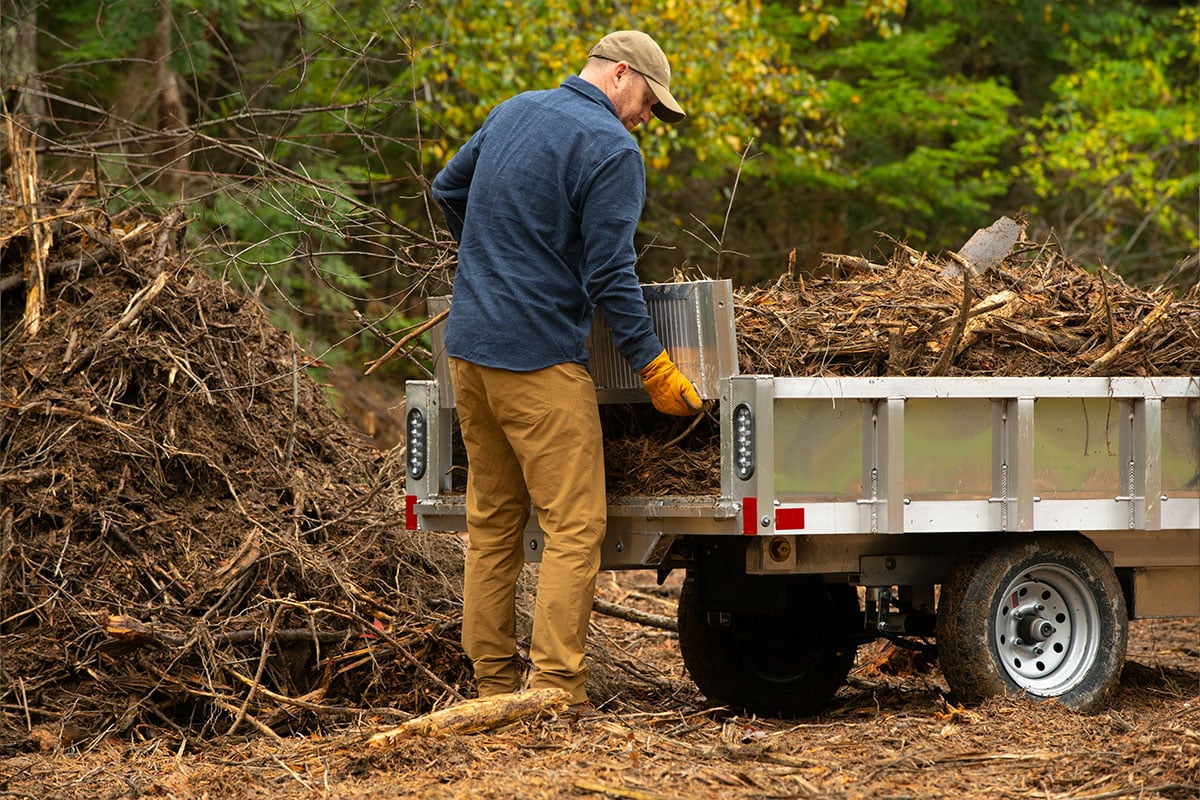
(667, 108)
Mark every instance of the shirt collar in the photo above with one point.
(590, 91)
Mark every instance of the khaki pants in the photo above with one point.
(530, 437)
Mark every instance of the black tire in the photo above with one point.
(772, 665)
(1040, 614)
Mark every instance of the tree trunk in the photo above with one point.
(22, 85)
(172, 116)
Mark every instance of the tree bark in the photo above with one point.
(473, 716)
(23, 86)
(172, 116)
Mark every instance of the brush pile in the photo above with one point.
(1032, 314)
(190, 538)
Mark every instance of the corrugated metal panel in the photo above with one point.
(694, 321)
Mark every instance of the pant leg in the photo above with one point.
(497, 513)
(553, 426)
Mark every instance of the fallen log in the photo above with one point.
(474, 716)
(635, 615)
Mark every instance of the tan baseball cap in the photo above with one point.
(642, 53)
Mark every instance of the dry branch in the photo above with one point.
(951, 348)
(414, 333)
(1131, 337)
(480, 714)
(195, 478)
(137, 304)
(132, 631)
(635, 615)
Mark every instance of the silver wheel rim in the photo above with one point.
(1047, 630)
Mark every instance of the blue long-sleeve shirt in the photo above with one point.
(544, 200)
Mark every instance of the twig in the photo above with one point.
(424, 326)
(1109, 331)
(13, 281)
(373, 328)
(133, 631)
(618, 791)
(258, 725)
(58, 411)
(25, 172)
(137, 304)
(695, 421)
(729, 208)
(396, 643)
(968, 267)
(947, 356)
(262, 665)
(25, 705)
(318, 708)
(291, 440)
(294, 775)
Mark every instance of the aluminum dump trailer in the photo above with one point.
(1018, 523)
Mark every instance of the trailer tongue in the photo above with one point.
(1049, 511)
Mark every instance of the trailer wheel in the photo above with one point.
(776, 665)
(1038, 614)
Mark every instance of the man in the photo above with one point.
(544, 201)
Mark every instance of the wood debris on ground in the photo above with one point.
(474, 716)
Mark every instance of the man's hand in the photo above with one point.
(669, 389)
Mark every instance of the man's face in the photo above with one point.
(632, 98)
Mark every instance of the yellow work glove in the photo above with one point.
(669, 390)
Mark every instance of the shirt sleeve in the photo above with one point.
(452, 185)
(609, 220)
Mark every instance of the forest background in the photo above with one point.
(300, 136)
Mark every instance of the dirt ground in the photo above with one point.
(890, 734)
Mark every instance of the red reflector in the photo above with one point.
(410, 512)
(789, 519)
(750, 516)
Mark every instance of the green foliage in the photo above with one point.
(286, 237)
(467, 56)
(98, 37)
(921, 148)
(1114, 156)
